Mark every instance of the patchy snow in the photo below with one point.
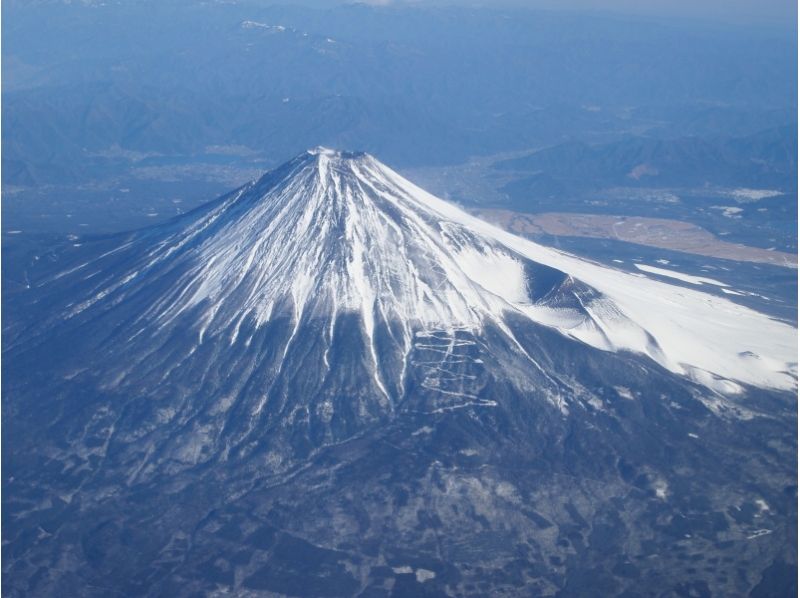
(424, 575)
(729, 211)
(422, 430)
(265, 26)
(745, 195)
(680, 275)
(714, 382)
(625, 393)
(661, 488)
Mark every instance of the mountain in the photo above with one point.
(331, 383)
(766, 159)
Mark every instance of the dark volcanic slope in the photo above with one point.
(331, 384)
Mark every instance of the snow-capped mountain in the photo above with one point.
(265, 341)
(334, 233)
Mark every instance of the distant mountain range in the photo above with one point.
(331, 383)
(417, 85)
(767, 159)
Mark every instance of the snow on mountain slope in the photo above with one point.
(334, 232)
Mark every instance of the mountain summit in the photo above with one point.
(331, 340)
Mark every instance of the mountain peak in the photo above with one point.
(322, 158)
(336, 154)
(311, 169)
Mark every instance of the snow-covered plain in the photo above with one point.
(333, 232)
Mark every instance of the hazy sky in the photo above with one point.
(725, 10)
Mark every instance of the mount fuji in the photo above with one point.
(332, 383)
